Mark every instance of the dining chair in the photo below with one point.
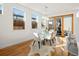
(72, 44)
(42, 40)
(36, 40)
(53, 37)
(48, 38)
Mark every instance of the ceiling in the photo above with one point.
(52, 9)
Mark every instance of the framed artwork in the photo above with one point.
(18, 19)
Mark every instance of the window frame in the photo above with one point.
(19, 20)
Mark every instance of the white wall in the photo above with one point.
(8, 36)
(77, 29)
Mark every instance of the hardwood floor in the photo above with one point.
(58, 52)
(59, 49)
(21, 49)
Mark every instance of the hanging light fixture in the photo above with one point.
(45, 17)
(46, 7)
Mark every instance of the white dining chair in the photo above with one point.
(48, 38)
(72, 44)
(53, 37)
(36, 40)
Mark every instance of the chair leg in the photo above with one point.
(39, 44)
(44, 41)
(33, 43)
(50, 42)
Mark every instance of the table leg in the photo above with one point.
(39, 44)
(50, 42)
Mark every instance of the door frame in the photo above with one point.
(62, 16)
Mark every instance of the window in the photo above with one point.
(67, 24)
(18, 19)
(0, 9)
(34, 20)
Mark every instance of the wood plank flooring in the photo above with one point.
(21, 49)
(58, 52)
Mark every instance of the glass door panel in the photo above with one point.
(51, 24)
(59, 25)
(67, 24)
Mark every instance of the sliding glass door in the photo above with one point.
(67, 24)
(58, 26)
(64, 24)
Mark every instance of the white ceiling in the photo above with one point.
(53, 8)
